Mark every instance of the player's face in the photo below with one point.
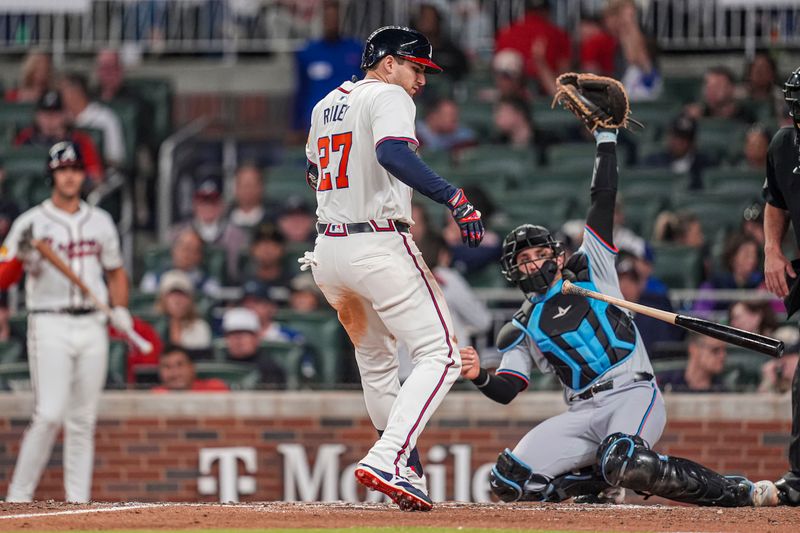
(530, 260)
(408, 75)
(67, 182)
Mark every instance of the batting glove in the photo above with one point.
(468, 219)
(121, 318)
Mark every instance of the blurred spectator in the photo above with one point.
(754, 153)
(467, 260)
(248, 210)
(448, 55)
(776, 374)
(680, 154)
(513, 123)
(110, 76)
(51, 125)
(296, 221)
(440, 130)
(267, 253)
(258, 297)
(185, 328)
(742, 271)
(210, 222)
(305, 296)
(760, 87)
(682, 228)
(634, 289)
(8, 212)
(625, 238)
(5, 315)
(88, 114)
(636, 57)
(186, 256)
(597, 47)
(753, 222)
(36, 77)
(541, 43)
(422, 230)
(322, 65)
(241, 328)
(509, 78)
(753, 316)
(704, 366)
(719, 100)
(177, 372)
(135, 357)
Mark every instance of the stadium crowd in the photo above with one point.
(223, 297)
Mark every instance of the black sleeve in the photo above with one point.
(604, 192)
(501, 389)
(772, 192)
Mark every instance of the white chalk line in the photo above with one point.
(81, 511)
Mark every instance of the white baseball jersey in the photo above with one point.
(86, 240)
(346, 127)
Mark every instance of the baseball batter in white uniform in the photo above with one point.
(363, 165)
(67, 337)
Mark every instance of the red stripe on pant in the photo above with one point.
(446, 368)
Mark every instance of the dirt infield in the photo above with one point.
(50, 516)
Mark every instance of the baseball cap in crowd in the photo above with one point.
(207, 189)
(256, 289)
(296, 204)
(175, 280)
(240, 319)
(269, 232)
(50, 101)
(684, 126)
(508, 62)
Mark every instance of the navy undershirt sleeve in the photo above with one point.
(396, 157)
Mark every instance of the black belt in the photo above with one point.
(608, 385)
(343, 230)
(67, 311)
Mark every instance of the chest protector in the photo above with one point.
(581, 338)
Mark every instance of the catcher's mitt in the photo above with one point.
(599, 101)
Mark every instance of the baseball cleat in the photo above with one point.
(398, 488)
(765, 494)
(609, 496)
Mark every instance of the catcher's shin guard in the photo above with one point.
(586, 482)
(626, 461)
(509, 476)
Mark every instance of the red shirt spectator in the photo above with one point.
(536, 26)
(597, 49)
(136, 357)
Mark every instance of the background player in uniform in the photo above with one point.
(782, 207)
(67, 336)
(362, 163)
(616, 412)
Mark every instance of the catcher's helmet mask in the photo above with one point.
(400, 42)
(534, 278)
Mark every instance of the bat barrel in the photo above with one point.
(731, 335)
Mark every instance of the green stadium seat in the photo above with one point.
(26, 160)
(641, 211)
(15, 376)
(15, 116)
(716, 211)
(488, 277)
(478, 116)
(682, 89)
(117, 377)
(18, 323)
(287, 355)
(678, 266)
(11, 351)
(322, 331)
(578, 155)
(720, 178)
(742, 372)
(158, 258)
(141, 302)
(287, 180)
(157, 92)
(720, 138)
(128, 113)
(238, 376)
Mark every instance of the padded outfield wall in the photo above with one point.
(304, 445)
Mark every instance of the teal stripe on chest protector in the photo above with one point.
(582, 346)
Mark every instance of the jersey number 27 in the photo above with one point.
(339, 142)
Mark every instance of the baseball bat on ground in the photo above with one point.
(731, 335)
(143, 344)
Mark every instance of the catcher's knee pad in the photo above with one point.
(626, 461)
(508, 477)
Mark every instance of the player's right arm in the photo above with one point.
(12, 252)
(393, 132)
(501, 387)
(776, 223)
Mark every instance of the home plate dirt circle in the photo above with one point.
(53, 516)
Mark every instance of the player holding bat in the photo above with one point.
(616, 413)
(67, 334)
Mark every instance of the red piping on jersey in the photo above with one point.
(10, 272)
(351, 90)
(446, 368)
(604, 243)
(513, 374)
(406, 139)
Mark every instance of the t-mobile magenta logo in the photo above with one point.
(229, 484)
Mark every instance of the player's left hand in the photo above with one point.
(468, 219)
(121, 318)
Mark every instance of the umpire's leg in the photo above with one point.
(789, 485)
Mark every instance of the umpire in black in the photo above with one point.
(782, 193)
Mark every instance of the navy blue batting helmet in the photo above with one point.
(402, 42)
